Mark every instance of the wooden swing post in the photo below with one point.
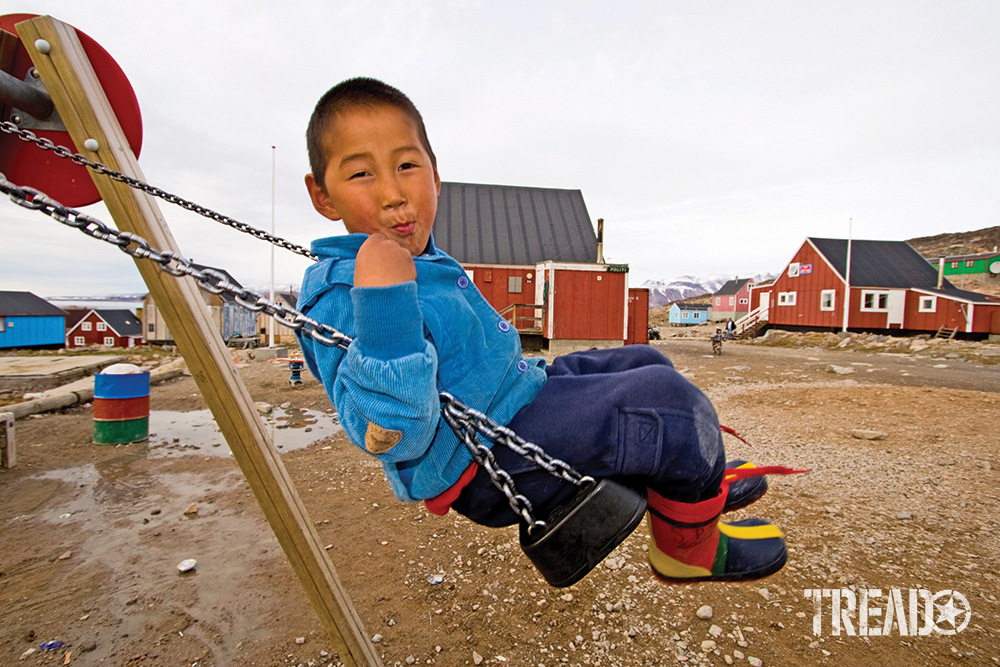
(83, 105)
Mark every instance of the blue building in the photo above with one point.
(27, 320)
(682, 314)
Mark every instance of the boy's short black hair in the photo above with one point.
(356, 92)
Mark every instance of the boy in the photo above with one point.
(420, 326)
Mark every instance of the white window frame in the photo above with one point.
(85, 326)
(953, 265)
(718, 301)
(79, 340)
(743, 302)
(684, 314)
(732, 300)
(786, 298)
(793, 269)
(928, 304)
(514, 285)
(102, 326)
(109, 341)
(828, 299)
(881, 301)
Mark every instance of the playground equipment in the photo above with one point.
(75, 78)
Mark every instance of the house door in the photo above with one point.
(765, 302)
(897, 306)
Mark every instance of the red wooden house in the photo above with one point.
(534, 255)
(889, 287)
(732, 300)
(104, 328)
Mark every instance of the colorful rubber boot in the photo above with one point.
(689, 543)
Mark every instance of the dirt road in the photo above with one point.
(93, 535)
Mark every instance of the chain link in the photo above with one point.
(97, 167)
(466, 422)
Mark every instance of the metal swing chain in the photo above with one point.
(97, 167)
(466, 422)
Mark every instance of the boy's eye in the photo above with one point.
(359, 174)
(406, 165)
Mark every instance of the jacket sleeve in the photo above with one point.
(386, 390)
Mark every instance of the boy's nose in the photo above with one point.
(392, 194)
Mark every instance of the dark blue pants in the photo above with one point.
(623, 413)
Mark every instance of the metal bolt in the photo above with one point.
(43, 46)
(15, 119)
(33, 72)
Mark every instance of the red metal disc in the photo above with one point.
(24, 163)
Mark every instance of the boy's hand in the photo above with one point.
(382, 261)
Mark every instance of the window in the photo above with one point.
(786, 298)
(953, 265)
(969, 263)
(3, 324)
(718, 301)
(101, 326)
(514, 284)
(732, 300)
(874, 301)
(109, 341)
(85, 326)
(928, 304)
(78, 340)
(827, 299)
(150, 327)
(684, 315)
(793, 270)
(743, 302)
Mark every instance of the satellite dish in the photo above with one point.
(995, 266)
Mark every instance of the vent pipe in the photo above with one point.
(600, 241)
(940, 272)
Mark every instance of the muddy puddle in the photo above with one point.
(180, 433)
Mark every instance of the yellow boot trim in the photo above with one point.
(671, 568)
(729, 475)
(749, 532)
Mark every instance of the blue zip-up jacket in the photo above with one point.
(412, 341)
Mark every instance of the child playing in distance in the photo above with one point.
(420, 326)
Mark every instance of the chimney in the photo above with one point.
(940, 272)
(600, 240)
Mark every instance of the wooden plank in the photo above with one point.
(83, 106)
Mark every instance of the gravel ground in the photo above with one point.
(902, 495)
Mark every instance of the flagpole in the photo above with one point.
(270, 327)
(847, 277)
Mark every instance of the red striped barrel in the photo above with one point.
(121, 408)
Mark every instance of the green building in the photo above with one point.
(987, 263)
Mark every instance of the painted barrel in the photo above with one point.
(121, 408)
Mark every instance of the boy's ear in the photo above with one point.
(320, 200)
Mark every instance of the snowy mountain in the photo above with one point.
(663, 292)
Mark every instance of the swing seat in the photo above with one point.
(583, 531)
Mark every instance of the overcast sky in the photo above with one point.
(712, 137)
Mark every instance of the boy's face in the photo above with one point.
(379, 177)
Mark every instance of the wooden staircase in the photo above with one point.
(945, 332)
(748, 325)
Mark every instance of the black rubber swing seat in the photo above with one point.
(583, 531)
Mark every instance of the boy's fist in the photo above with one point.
(382, 261)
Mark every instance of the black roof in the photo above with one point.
(692, 306)
(891, 264)
(502, 224)
(26, 303)
(732, 286)
(123, 321)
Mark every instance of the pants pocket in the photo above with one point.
(640, 442)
